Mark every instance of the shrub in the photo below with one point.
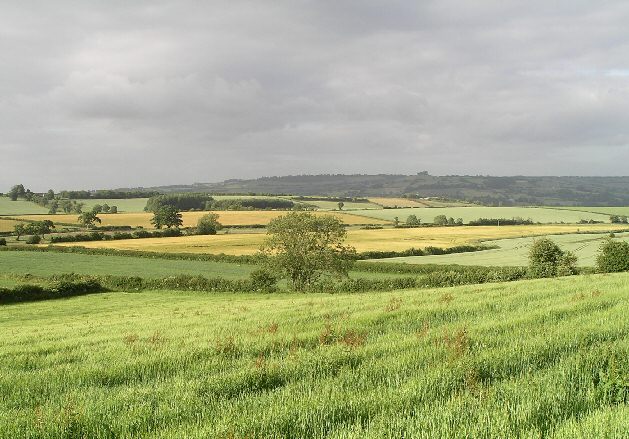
(3, 242)
(547, 259)
(34, 239)
(613, 257)
(208, 224)
(263, 281)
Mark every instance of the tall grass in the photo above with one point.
(546, 358)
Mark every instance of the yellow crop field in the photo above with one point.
(6, 225)
(363, 240)
(227, 218)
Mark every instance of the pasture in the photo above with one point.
(536, 214)
(19, 207)
(514, 251)
(362, 240)
(190, 219)
(539, 358)
(123, 204)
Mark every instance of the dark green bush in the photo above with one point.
(547, 259)
(263, 281)
(3, 242)
(33, 239)
(613, 257)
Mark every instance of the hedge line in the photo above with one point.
(423, 252)
(249, 259)
(57, 290)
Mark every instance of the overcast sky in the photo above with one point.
(97, 94)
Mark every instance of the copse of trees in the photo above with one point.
(516, 221)
(33, 228)
(107, 194)
(618, 219)
(249, 204)
(178, 201)
(547, 259)
(303, 247)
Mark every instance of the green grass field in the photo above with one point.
(48, 263)
(514, 251)
(20, 207)
(129, 205)
(537, 214)
(601, 210)
(547, 358)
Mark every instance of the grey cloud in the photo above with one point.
(106, 94)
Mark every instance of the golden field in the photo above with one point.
(363, 240)
(7, 225)
(227, 218)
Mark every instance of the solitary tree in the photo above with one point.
(302, 247)
(50, 195)
(20, 229)
(87, 219)
(113, 209)
(16, 192)
(97, 208)
(341, 204)
(613, 256)
(208, 224)
(167, 216)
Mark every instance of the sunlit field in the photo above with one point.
(536, 214)
(515, 251)
(545, 358)
(227, 218)
(362, 240)
(19, 207)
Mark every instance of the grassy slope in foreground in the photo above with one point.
(515, 251)
(48, 263)
(363, 240)
(533, 358)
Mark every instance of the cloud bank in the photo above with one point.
(116, 93)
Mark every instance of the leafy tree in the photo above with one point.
(396, 221)
(87, 219)
(113, 209)
(302, 247)
(39, 228)
(341, 204)
(613, 257)
(50, 195)
(97, 208)
(16, 192)
(440, 220)
(3, 242)
(53, 206)
(459, 221)
(547, 259)
(412, 220)
(20, 229)
(167, 216)
(208, 224)
(106, 208)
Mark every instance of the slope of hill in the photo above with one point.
(517, 190)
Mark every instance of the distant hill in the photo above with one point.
(506, 191)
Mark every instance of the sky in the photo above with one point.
(118, 93)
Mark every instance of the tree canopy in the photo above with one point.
(302, 247)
